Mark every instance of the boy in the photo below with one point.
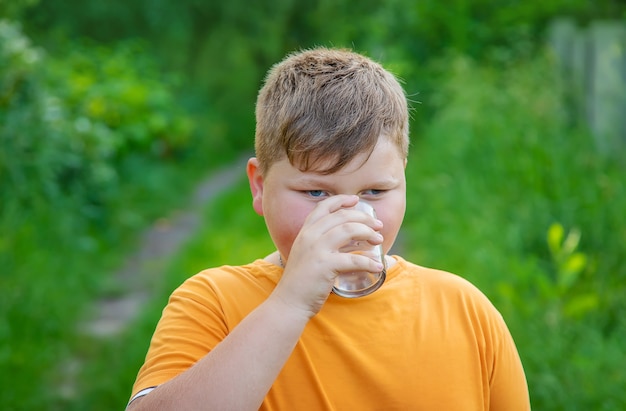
(332, 128)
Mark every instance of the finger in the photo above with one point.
(332, 233)
(330, 220)
(350, 262)
(332, 205)
(354, 232)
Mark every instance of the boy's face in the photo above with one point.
(285, 195)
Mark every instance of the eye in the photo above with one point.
(372, 192)
(316, 193)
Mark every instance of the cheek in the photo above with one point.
(284, 225)
(286, 230)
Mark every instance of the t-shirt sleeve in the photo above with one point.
(505, 385)
(508, 386)
(191, 325)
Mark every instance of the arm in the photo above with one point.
(239, 371)
(237, 374)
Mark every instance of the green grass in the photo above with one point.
(55, 263)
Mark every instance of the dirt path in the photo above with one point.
(158, 245)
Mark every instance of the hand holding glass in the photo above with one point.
(361, 283)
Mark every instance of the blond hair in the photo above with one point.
(326, 106)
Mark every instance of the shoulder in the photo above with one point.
(434, 278)
(228, 276)
(444, 289)
(230, 291)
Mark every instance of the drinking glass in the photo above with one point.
(361, 283)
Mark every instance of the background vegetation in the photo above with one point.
(110, 112)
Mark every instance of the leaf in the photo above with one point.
(570, 270)
(575, 263)
(571, 241)
(555, 238)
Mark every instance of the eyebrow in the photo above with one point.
(310, 181)
(320, 182)
(384, 183)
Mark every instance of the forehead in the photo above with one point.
(337, 161)
(384, 157)
(329, 164)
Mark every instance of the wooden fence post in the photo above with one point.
(592, 63)
(607, 94)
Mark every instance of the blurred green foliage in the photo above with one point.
(225, 48)
(68, 124)
(87, 142)
(110, 111)
(518, 130)
(14, 8)
(502, 190)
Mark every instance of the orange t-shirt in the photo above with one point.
(426, 340)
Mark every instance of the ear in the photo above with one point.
(256, 184)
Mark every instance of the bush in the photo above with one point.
(69, 124)
(88, 150)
